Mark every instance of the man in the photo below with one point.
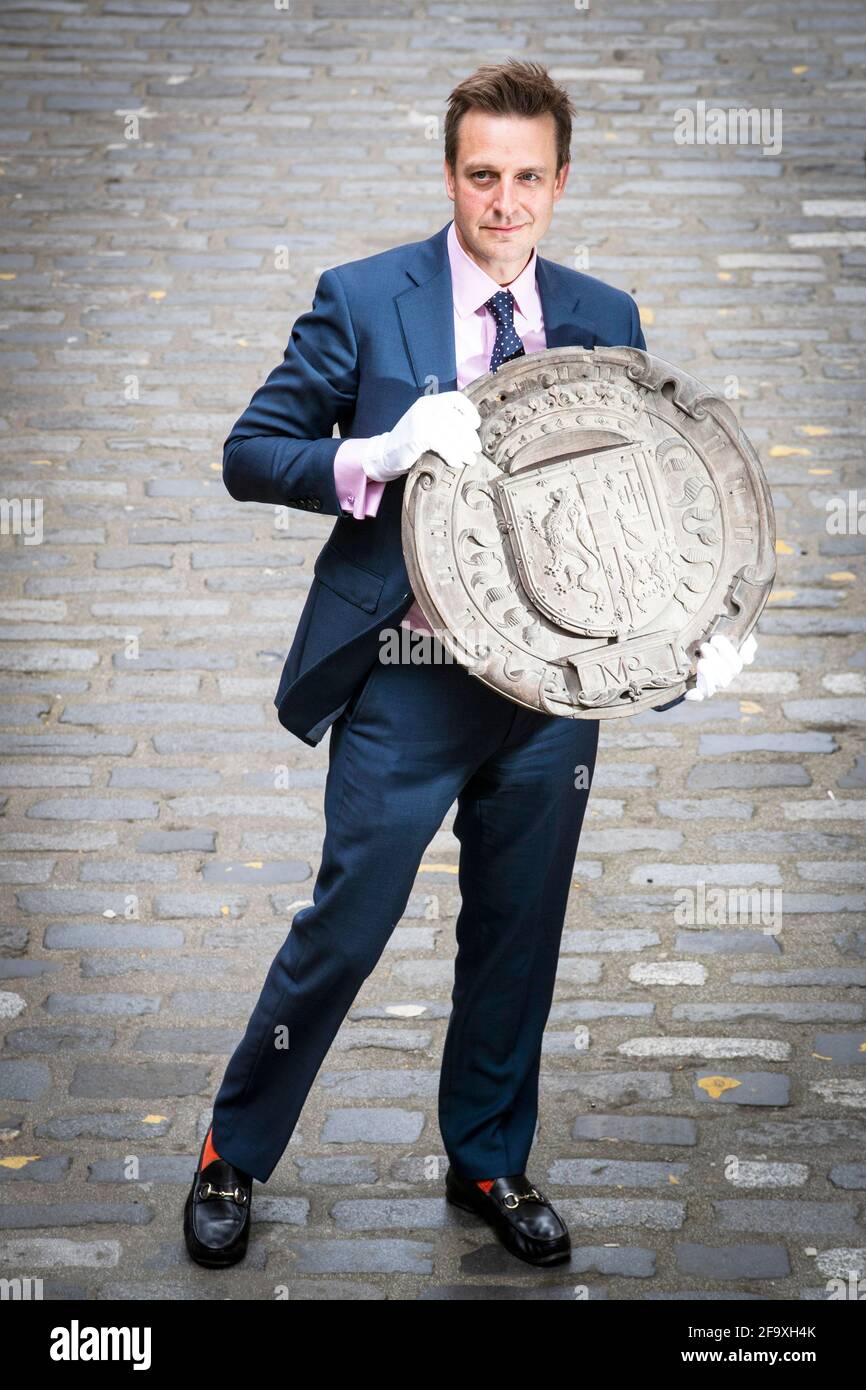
(384, 353)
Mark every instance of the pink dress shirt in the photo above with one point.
(474, 336)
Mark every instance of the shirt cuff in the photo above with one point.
(358, 494)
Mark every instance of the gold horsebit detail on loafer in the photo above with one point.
(533, 1195)
(207, 1190)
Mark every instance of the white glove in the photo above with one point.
(718, 663)
(446, 422)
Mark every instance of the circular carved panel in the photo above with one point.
(616, 518)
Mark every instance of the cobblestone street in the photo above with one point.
(175, 176)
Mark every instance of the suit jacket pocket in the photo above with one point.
(348, 579)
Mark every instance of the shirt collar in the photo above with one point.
(472, 286)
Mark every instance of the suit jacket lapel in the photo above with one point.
(563, 325)
(426, 312)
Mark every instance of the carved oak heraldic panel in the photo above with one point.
(616, 518)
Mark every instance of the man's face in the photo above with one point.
(503, 188)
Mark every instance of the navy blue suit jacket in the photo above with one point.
(380, 328)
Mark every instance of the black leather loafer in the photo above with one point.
(216, 1218)
(521, 1216)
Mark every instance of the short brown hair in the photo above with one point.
(512, 88)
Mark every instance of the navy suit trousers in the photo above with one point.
(413, 740)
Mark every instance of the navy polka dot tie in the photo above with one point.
(508, 344)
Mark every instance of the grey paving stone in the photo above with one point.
(104, 1125)
(26, 969)
(365, 1256)
(128, 936)
(393, 1040)
(630, 1261)
(38, 1170)
(713, 776)
(274, 871)
(61, 1039)
(105, 967)
(637, 1129)
(781, 842)
(282, 1211)
(610, 1086)
(343, 1171)
(122, 1080)
(23, 1080)
(765, 1009)
(390, 1214)
(593, 1172)
(787, 1217)
(848, 1175)
(220, 1042)
(644, 1213)
(177, 841)
(128, 871)
(58, 1215)
(733, 942)
(378, 1083)
(127, 1005)
(374, 1125)
(46, 1252)
(794, 979)
(741, 1088)
(733, 1261)
(843, 1049)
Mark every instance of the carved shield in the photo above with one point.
(616, 518)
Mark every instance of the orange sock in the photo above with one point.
(210, 1152)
